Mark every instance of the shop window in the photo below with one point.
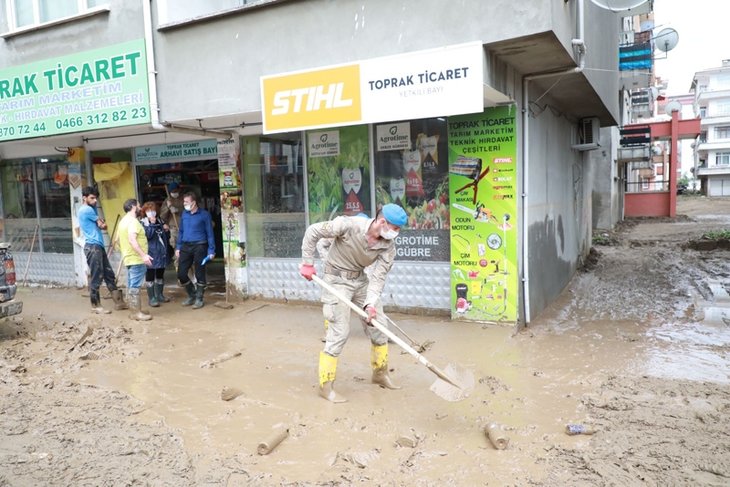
(274, 195)
(28, 13)
(36, 201)
(411, 169)
(338, 173)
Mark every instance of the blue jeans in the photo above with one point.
(135, 275)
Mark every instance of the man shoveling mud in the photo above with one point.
(357, 243)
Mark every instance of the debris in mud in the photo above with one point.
(268, 445)
(604, 237)
(495, 434)
(590, 262)
(219, 359)
(578, 429)
(708, 244)
(230, 393)
(359, 459)
(83, 338)
(407, 441)
(639, 416)
(495, 385)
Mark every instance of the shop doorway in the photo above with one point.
(200, 177)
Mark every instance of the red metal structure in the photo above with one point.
(662, 203)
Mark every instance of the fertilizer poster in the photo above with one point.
(483, 199)
(338, 171)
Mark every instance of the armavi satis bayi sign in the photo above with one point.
(437, 82)
(90, 90)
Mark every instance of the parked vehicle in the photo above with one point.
(9, 306)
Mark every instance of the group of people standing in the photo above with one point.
(145, 239)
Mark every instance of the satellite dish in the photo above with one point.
(666, 39)
(618, 5)
(673, 106)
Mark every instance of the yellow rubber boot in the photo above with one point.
(327, 370)
(379, 363)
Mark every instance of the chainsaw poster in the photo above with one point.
(338, 171)
(483, 200)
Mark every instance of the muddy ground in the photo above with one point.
(637, 349)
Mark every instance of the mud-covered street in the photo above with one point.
(637, 349)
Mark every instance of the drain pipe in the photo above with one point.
(579, 46)
(154, 107)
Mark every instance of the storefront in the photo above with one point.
(395, 130)
(343, 140)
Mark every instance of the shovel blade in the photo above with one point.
(458, 386)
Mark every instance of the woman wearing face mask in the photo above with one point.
(158, 238)
(356, 244)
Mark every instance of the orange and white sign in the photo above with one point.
(437, 82)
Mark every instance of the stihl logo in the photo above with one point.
(310, 99)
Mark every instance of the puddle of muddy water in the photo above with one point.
(531, 382)
(532, 387)
(693, 351)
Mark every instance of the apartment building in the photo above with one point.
(711, 89)
(476, 116)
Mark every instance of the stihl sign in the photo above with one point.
(437, 82)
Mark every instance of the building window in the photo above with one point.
(36, 204)
(722, 159)
(721, 82)
(274, 195)
(720, 109)
(722, 132)
(174, 12)
(28, 13)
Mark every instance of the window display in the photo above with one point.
(411, 169)
(338, 172)
(35, 192)
(274, 195)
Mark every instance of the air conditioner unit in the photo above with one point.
(589, 133)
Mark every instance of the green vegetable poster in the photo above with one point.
(338, 172)
(483, 200)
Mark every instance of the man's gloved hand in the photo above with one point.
(372, 312)
(307, 271)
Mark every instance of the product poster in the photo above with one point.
(411, 170)
(483, 200)
(232, 211)
(338, 172)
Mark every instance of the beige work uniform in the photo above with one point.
(172, 218)
(347, 258)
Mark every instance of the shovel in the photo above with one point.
(447, 387)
